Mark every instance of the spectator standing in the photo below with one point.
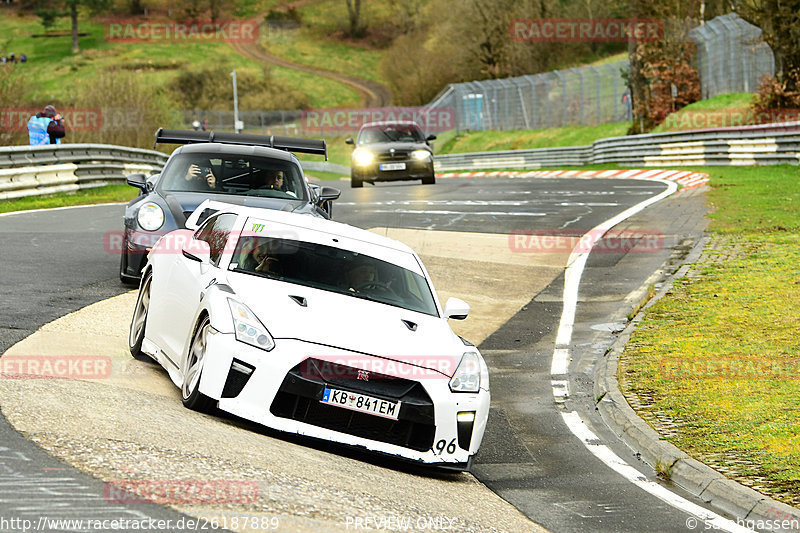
(46, 127)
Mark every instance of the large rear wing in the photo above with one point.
(291, 144)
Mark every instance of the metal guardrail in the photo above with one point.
(749, 145)
(38, 170)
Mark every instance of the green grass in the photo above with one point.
(308, 46)
(99, 195)
(719, 111)
(54, 74)
(719, 354)
(482, 141)
(326, 176)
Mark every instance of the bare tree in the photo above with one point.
(354, 16)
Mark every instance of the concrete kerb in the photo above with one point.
(726, 495)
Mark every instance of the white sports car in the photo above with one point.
(313, 327)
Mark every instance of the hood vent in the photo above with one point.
(410, 325)
(299, 300)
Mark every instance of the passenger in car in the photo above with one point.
(200, 176)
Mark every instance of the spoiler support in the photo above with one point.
(291, 144)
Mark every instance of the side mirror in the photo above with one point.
(137, 180)
(430, 137)
(197, 250)
(456, 309)
(328, 194)
(349, 140)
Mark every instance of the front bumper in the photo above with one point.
(414, 170)
(135, 247)
(283, 391)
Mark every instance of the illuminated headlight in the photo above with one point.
(363, 157)
(468, 374)
(248, 327)
(150, 217)
(421, 155)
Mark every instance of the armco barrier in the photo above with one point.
(34, 170)
(37, 170)
(748, 145)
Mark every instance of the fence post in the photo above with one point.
(596, 91)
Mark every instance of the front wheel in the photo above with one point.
(356, 183)
(429, 180)
(139, 320)
(190, 390)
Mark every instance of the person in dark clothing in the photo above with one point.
(46, 127)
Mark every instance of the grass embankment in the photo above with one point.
(52, 70)
(715, 364)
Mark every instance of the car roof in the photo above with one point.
(235, 149)
(305, 221)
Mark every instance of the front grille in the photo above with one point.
(299, 399)
(399, 155)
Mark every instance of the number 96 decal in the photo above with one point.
(443, 446)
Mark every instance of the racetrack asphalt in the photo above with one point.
(527, 457)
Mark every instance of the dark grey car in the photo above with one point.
(391, 151)
(247, 170)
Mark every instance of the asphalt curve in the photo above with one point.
(55, 262)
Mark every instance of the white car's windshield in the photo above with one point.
(333, 269)
(233, 174)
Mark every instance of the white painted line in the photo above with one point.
(710, 519)
(560, 361)
(59, 208)
(560, 390)
(427, 212)
(572, 278)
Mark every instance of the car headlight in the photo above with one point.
(150, 216)
(467, 377)
(248, 328)
(363, 157)
(420, 155)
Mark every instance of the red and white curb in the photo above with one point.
(687, 179)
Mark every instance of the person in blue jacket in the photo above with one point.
(46, 127)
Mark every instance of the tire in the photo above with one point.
(430, 180)
(190, 389)
(356, 183)
(139, 320)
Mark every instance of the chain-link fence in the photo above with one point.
(578, 96)
(731, 57)
(288, 123)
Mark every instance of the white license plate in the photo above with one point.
(361, 403)
(393, 166)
